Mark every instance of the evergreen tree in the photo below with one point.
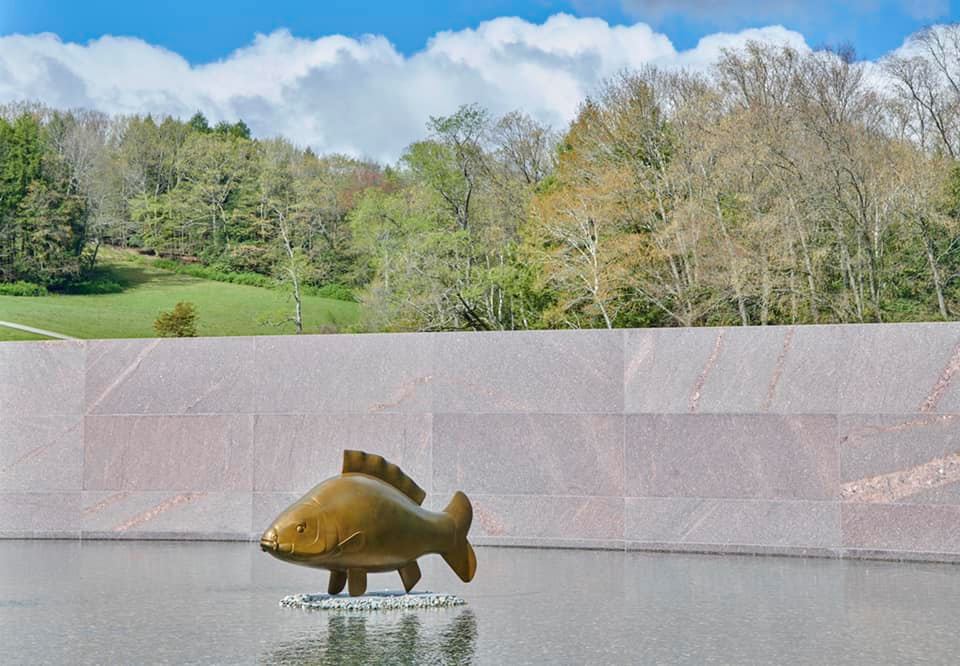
(198, 123)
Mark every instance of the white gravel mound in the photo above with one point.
(385, 600)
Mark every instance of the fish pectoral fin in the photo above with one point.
(358, 581)
(352, 544)
(410, 574)
(338, 579)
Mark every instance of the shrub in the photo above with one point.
(22, 288)
(219, 273)
(333, 290)
(249, 258)
(181, 322)
(211, 273)
(100, 285)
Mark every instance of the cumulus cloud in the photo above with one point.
(359, 96)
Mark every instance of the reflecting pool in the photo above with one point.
(169, 602)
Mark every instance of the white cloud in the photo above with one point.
(359, 96)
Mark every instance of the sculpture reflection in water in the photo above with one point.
(378, 638)
(369, 519)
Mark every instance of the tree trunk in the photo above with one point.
(934, 271)
(294, 277)
(734, 271)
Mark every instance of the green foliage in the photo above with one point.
(951, 201)
(181, 322)
(22, 288)
(338, 292)
(248, 258)
(226, 309)
(670, 200)
(237, 130)
(96, 285)
(42, 220)
(216, 273)
(212, 273)
(199, 123)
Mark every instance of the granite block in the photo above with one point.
(547, 517)
(41, 453)
(775, 523)
(733, 549)
(138, 514)
(910, 458)
(188, 453)
(766, 456)
(37, 513)
(170, 376)
(900, 368)
(546, 542)
(731, 443)
(266, 507)
(365, 374)
(529, 371)
(904, 528)
(746, 373)
(778, 369)
(42, 378)
(665, 369)
(531, 454)
(899, 556)
(806, 377)
(294, 452)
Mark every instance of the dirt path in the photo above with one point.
(38, 331)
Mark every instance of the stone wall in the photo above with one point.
(826, 440)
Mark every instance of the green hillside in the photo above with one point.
(222, 308)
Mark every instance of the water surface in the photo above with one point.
(201, 603)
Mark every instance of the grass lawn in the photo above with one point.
(7, 334)
(222, 308)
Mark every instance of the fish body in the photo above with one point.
(369, 519)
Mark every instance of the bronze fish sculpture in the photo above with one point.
(369, 519)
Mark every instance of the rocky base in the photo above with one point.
(373, 601)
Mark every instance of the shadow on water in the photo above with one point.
(410, 638)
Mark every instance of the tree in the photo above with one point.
(213, 173)
(524, 146)
(444, 245)
(237, 130)
(278, 210)
(199, 123)
(181, 322)
(782, 186)
(42, 220)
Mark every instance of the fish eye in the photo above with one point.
(301, 527)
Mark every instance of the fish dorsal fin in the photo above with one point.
(360, 462)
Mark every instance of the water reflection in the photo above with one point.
(383, 638)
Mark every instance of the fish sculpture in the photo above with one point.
(369, 519)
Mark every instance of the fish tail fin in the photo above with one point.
(460, 557)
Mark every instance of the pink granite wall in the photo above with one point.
(828, 440)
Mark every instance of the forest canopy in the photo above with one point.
(780, 187)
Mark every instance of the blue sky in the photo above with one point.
(207, 30)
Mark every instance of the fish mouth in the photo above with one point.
(275, 547)
(270, 540)
(267, 545)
